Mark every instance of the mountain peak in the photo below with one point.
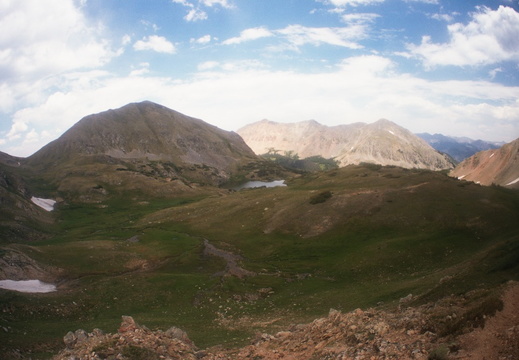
(139, 134)
(383, 121)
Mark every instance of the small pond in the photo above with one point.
(27, 286)
(259, 184)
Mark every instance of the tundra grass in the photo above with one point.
(393, 232)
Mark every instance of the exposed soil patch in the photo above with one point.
(499, 338)
(232, 268)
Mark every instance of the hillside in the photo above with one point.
(382, 142)
(224, 266)
(20, 218)
(499, 166)
(458, 148)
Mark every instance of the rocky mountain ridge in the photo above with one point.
(496, 166)
(382, 142)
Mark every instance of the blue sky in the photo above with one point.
(449, 67)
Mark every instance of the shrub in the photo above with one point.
(138, 353)
(439, 353)
(321, 197)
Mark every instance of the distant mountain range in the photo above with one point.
(459, 148)
(382, 142)
(496, 166)
(149, 148)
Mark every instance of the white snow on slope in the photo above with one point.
(512, 182)
(47, 204)
(27, 286)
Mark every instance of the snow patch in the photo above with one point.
(389, 131)
(512, 182)
(461, 177)
(27, 286)
(491, 155)
(46, 204)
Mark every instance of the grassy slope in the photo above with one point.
(384, 233)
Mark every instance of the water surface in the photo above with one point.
(258, 184)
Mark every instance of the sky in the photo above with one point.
(436, 66)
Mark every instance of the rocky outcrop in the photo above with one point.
(499, 166)
(16, 265)
(132, 341)
(430, 331)
(382, 142)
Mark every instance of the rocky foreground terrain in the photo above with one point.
(456, 327)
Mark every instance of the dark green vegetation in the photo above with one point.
(292, 161)
(384, 233)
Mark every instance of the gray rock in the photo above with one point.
(70, 340)
(81, 336)
(179, 334)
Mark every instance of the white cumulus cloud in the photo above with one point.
(298, 35)
(342, 3)
(248, 35)
(491, 37)
(41, 38)
(196, 12)
(223, 3)
(155, 43)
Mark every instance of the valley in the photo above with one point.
(159, 233)
(384, 233)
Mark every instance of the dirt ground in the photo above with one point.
(499, 339)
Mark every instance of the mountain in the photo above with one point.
(499, 166)
(20, 218)
(148, 131)
(382, 142)
(458, 148)
(7, 159)
(144, 147)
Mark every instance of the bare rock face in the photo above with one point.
(499, 166)
(382, 142)
(15, 265)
